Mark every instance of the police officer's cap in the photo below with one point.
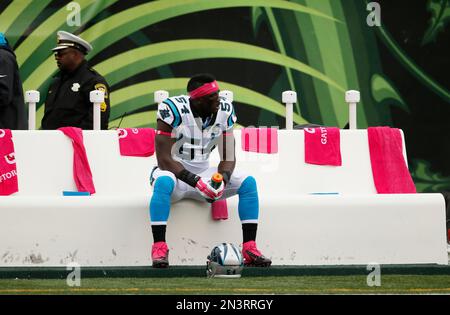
(66, 40)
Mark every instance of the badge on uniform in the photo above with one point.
(76, 87)
(102, 87)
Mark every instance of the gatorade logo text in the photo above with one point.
(323, 135)
(8, 175)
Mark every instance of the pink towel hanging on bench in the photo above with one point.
(8, 171)
(389, 169)
(82, 174)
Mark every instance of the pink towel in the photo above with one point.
(81, 169)
(323, 146)
(219, 210)
(8, 171)
(389, 169)
(136, 141)
(260, 140)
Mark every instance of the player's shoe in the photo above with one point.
(253, 257)
(160, 255)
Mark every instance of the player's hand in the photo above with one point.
(207, 191)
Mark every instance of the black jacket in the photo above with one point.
(67, 102)
(13, 114)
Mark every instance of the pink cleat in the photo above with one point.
(253, 257)
(160, 255)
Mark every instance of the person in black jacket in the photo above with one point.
(12, 106)
(67, 102)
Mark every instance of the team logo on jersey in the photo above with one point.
(75, 87)
(135, 131)
(164, 113)
(10, 158)
(122, 133)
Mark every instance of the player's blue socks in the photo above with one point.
(248, 201)
(160, 202)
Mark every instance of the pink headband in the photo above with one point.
(205, 89)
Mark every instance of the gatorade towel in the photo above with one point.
(8, 171)
(323, 146)
(136, 141)
(82, 174)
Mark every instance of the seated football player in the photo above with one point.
(188, 129)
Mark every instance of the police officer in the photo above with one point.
(67, 102)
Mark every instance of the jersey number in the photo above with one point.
(225, 107)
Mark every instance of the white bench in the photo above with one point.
(40, 227)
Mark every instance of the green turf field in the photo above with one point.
(390, 284)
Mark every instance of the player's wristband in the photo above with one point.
(189, 178)
(226, 177)
(163, 133)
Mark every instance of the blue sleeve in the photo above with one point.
(231, 117)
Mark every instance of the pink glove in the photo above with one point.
(207, 191)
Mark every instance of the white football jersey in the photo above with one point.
(195, 139)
